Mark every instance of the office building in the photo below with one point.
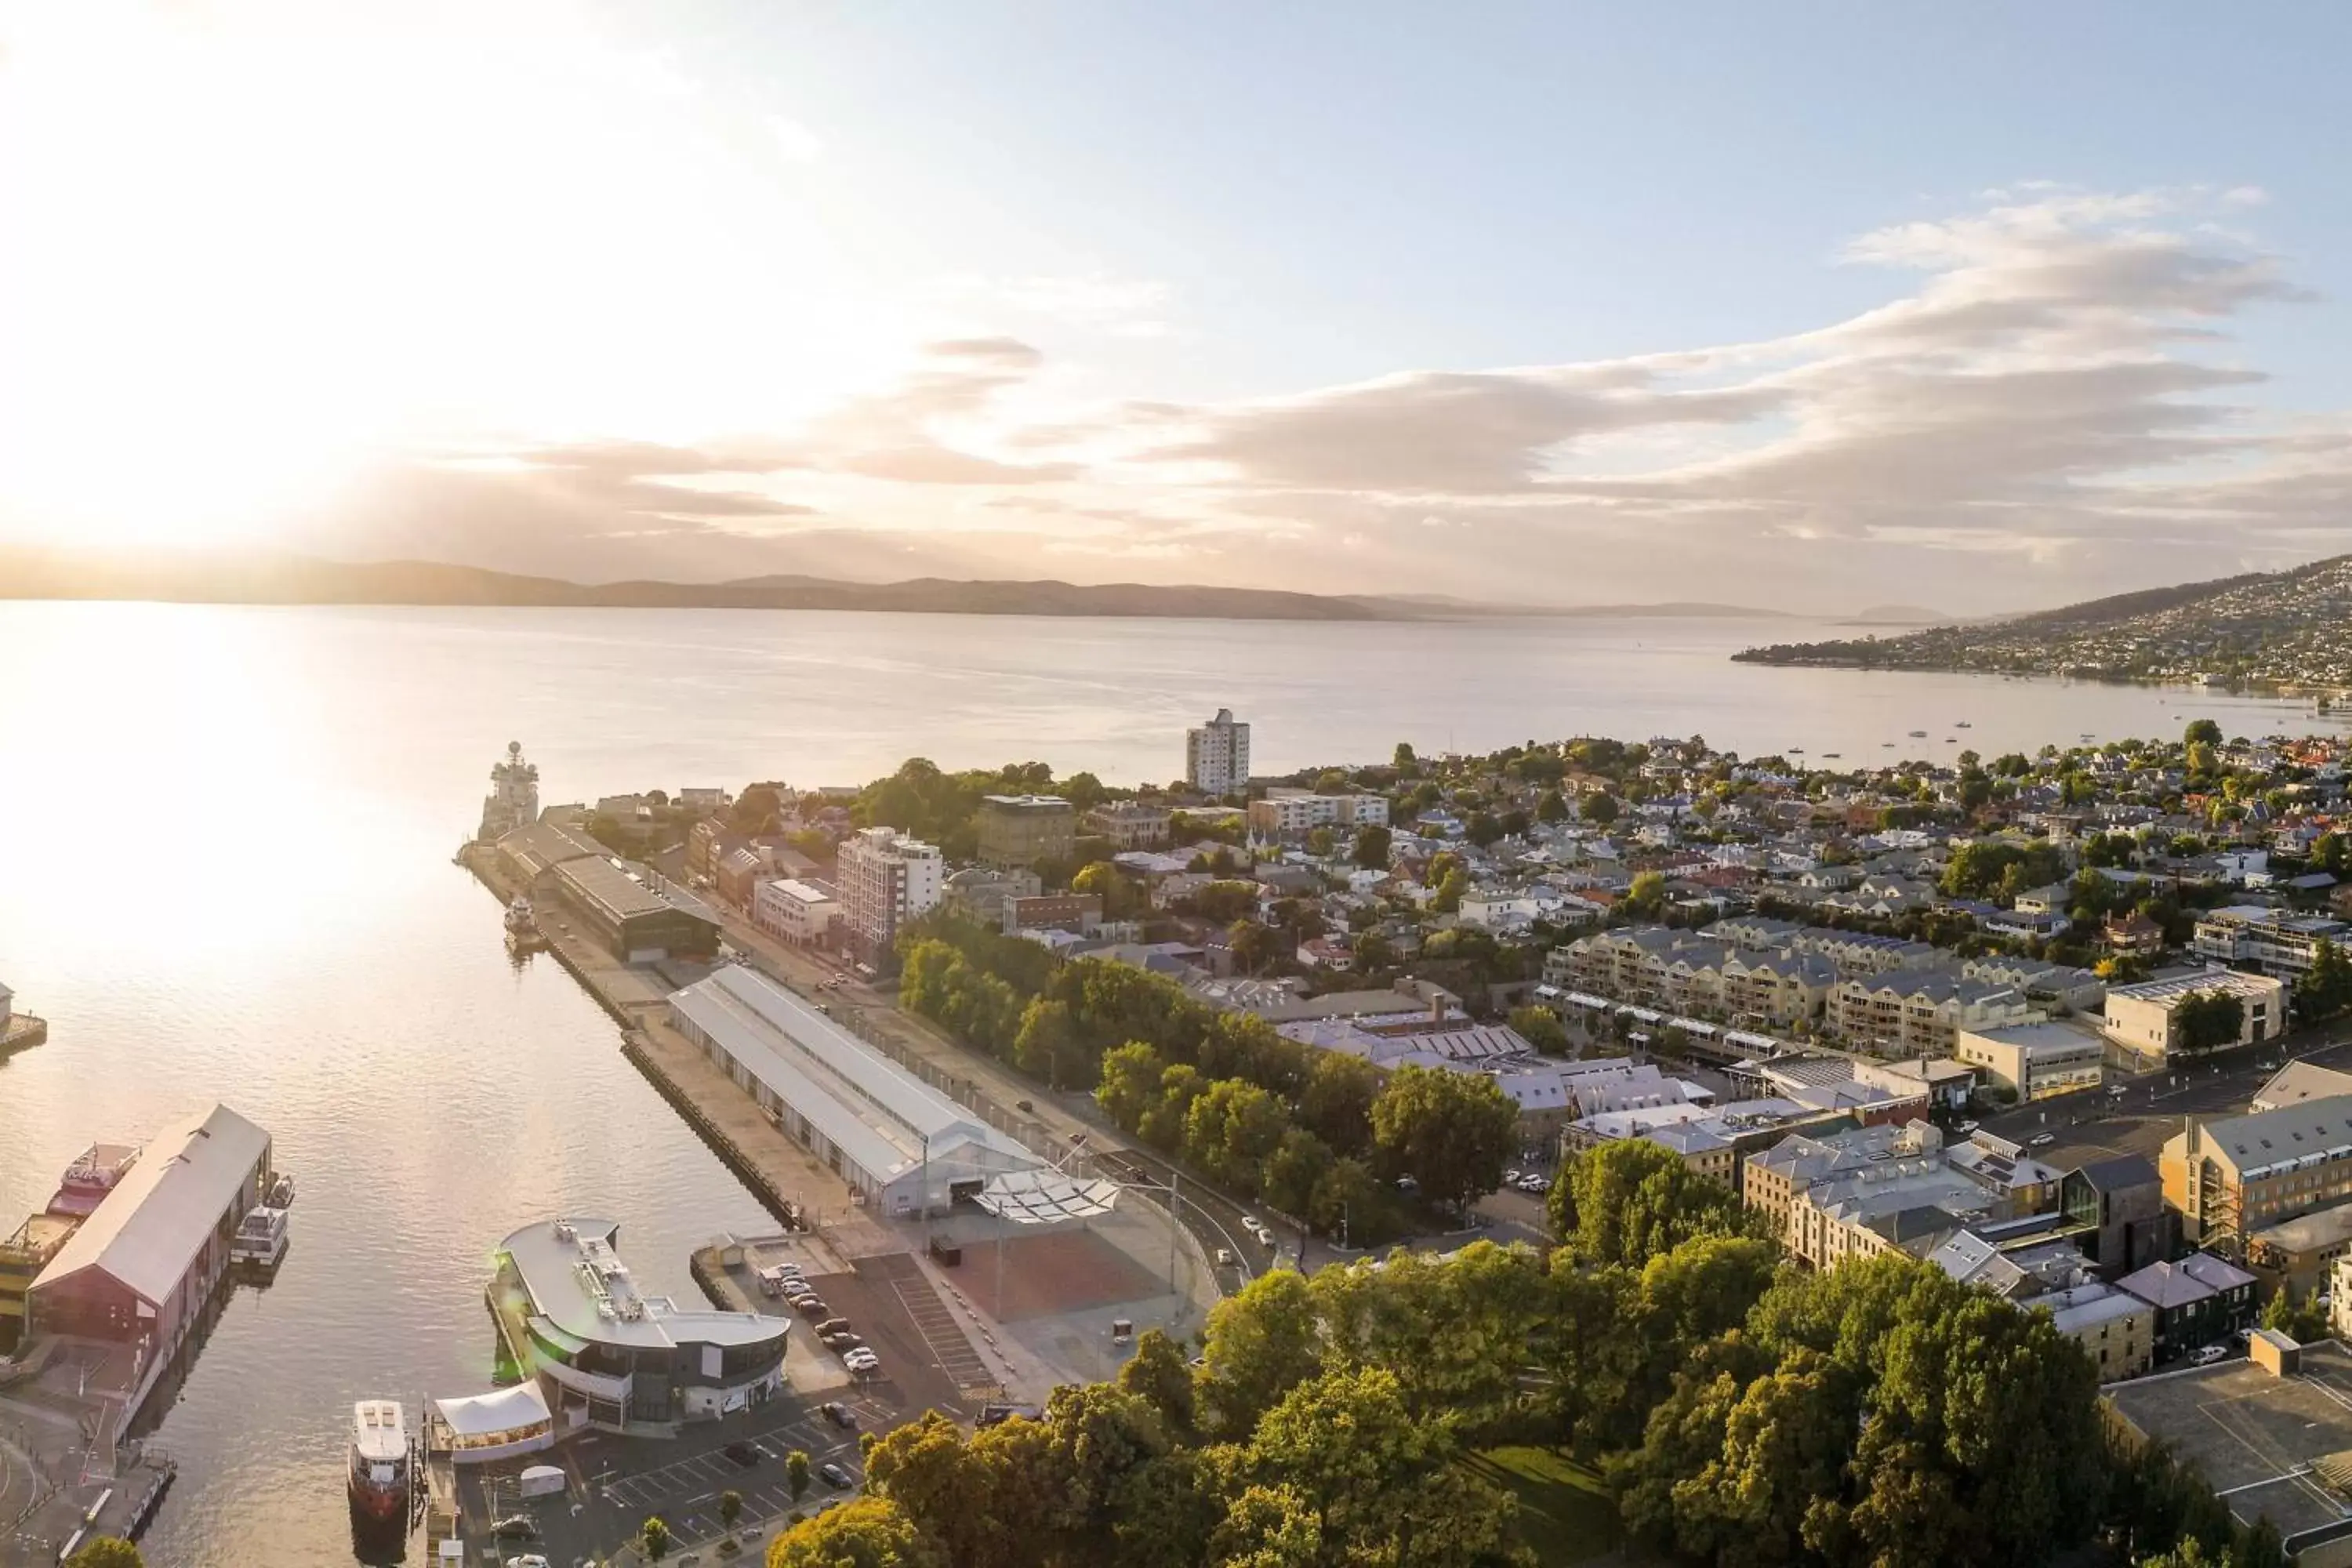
(1217, 755)
(2274, 942)
(800, 912)
(2146, 1018)
(2033, 1061)
(1022, 829)
(1129, 824)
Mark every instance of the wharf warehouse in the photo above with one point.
(635, 921)
(140, 1268)
(903, 1146)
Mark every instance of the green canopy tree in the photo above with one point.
(1261, 1342)
(867, 1533)
(1451, 1131)
(1158, 1374)
(107, 1551)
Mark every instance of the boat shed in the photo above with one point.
(142, 1267)
(904, 1147)
(635, 921)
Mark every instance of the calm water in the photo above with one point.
(224, 873)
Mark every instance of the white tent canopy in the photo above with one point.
(1042, 1197)
(491, 1414)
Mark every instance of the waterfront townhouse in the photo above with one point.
(1860, 953)
(1774, 990)
(2056, 987)
(2237, 1174)
(1916, 1012)
(2274, 941)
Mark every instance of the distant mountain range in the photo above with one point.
(2287, 629)
(276, 579)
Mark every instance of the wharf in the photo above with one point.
(22, 1033)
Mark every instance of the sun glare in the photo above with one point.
(237, 257)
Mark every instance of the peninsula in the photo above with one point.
(2266, 628)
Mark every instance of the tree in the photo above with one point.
(759, 809)
(1105, 881)
(1343, 1197)
(1551, 808)
(1047, 1044)
(1159, 1376)
(1261, 1342)
(730, 1509)
(1371, 850)
(108, 1551)
(653, 1539)
(1289, 1175)
(2326, 989)
(1600, 809)
(1449, 892)
(1321, 843)
(1255, 946)
(1648, 895)
(2206, 1019)
(1131, 1083)
(2201, 733)
(1483, 828)
(1449, 1131)
(1629, 1200)
(1337, 1104)
(1404, 758)
(1540, 1027)
(867, 1533)
(2301, 1320)
(796, 1473)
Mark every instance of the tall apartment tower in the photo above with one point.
(886, 880)
(1216, 755)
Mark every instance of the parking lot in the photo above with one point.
(615, 1483)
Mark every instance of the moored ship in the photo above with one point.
(379, 1460)
(260, 1239)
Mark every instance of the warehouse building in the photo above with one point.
(902, 1146)
(634, 922)
(140, 1271)
(527, 853)
(611, 1356)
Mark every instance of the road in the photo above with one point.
(2095, 1124)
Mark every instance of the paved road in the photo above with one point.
(2151, 1109)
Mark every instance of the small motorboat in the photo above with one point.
(281, 1192)
(260, 1239)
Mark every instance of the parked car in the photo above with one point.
(744, 1454)
(515, 1527)
(1024, 1105)
(1511, 1176)
(2043, 1141)
(840, 1414)
(1963, 1126)
(834, 1476)
(2207, 1356)
(833, 1325)
(528, 1560)
(841, 1340)
(813, 1307)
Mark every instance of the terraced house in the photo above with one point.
(1921, 1012)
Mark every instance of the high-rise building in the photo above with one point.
(1217, 755)
(886, 880)
(513, 800)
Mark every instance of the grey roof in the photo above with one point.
(578, 1284)
(2196, 1278)
(2292, 1132)
(2299, 1081)
(864, 1104)
(2322, 1228)
(2119, 1172)
(146, 1233)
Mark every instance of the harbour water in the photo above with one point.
(225, 838)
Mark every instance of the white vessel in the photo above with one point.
(281, 1192)
(379, 1459)
(521, 921)
(260, 1239)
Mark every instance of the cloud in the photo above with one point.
(2049, 383)
(796, 142)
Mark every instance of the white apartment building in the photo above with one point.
(1217, 755)
(1293, 811)
(797, 912)
(886, 880)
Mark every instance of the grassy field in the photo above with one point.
(1565, 1512)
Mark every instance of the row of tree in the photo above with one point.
(1315, 1132)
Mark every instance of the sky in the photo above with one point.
(1819, 307)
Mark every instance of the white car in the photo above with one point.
(2043, 1141)
(2209, 1355)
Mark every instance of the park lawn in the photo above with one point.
(1566, 1514)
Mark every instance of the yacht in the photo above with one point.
(1918, 734)
(281, 1192)
(379, 1460)
(519, 920)
(260, 1239)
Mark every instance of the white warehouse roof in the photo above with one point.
(148, 1229)
(867, 1106)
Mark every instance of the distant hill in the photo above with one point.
(2262, 628)
(1896, 616)
(282, 579)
